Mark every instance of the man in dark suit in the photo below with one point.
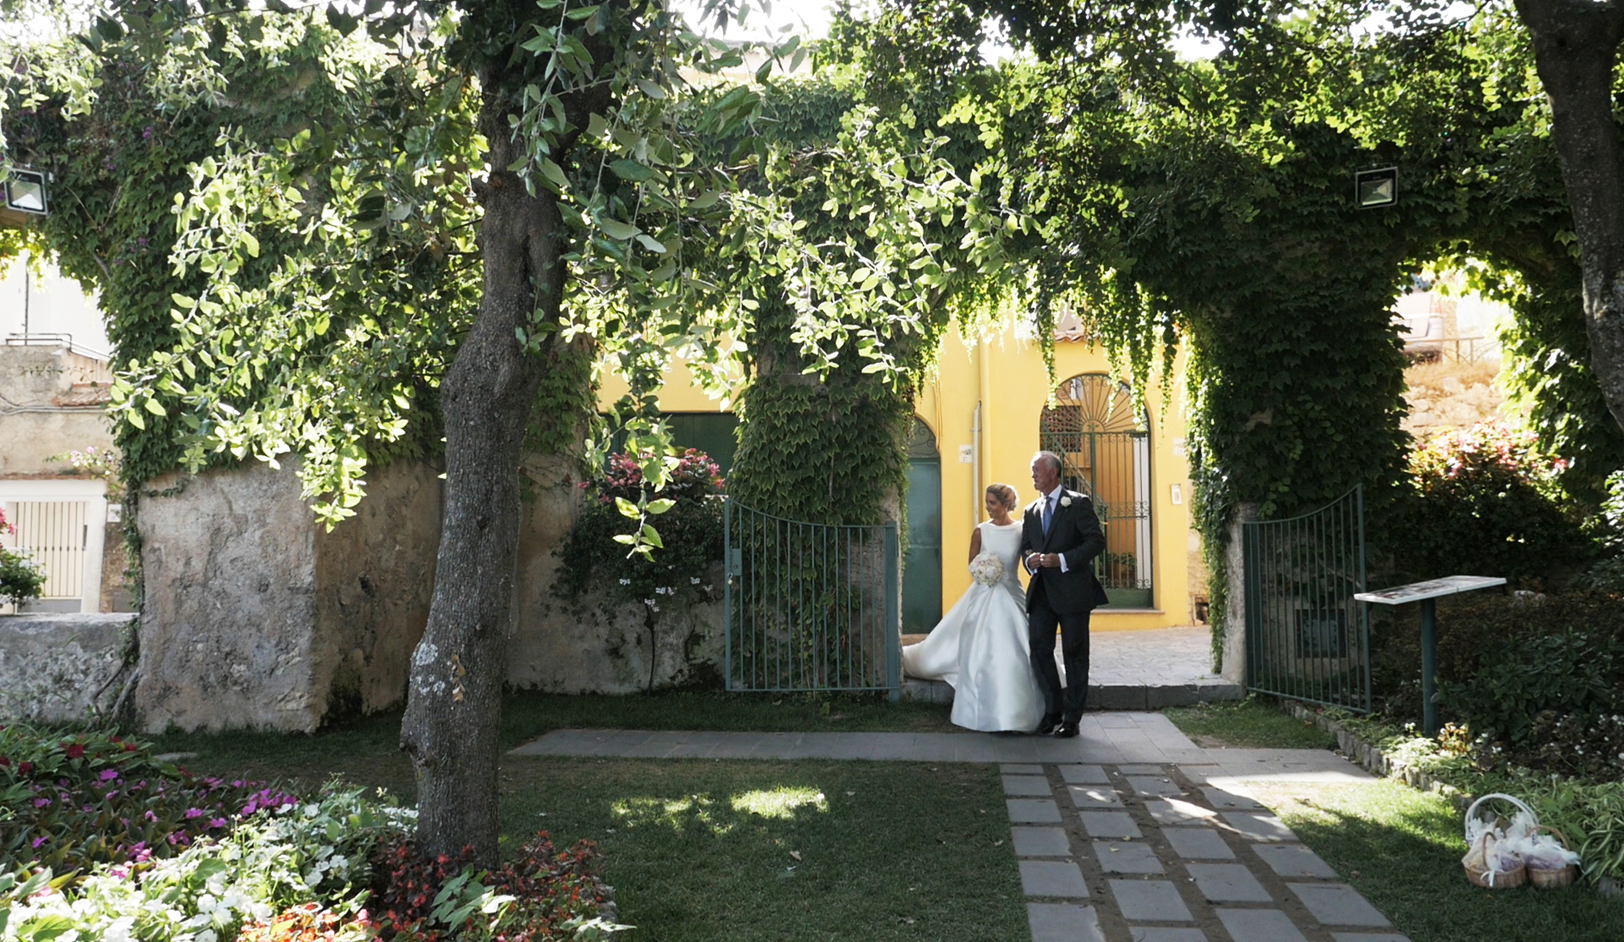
(1060, 537)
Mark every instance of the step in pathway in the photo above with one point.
(1166, 853)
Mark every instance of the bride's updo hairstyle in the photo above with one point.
(1006, 495)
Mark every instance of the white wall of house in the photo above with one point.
(52, 304)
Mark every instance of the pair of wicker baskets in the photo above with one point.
(1522, 874)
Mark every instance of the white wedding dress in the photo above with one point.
(980, 647)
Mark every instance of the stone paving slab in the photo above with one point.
(1337, 904)
(1260, 925)
(1127, 857)
(1026, 785)
(1039, 841)
(1093, 797)
(1150, 901)
(1058, 878)
(1257, 826)
(1198, 843)
(1227, 883)
(1166, 934)
(1294, 860)
(1063, 922)
(1032, 810)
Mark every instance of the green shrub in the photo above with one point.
(1484, 502)
(691, 532)
(1571, 674)
(21, 578)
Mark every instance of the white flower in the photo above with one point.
(625, 582)
(1065, 501)
(987, 569)
(693, 580)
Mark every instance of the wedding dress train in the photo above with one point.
(981, 648)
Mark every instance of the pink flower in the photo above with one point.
(108, 775)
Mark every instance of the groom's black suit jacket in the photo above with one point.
(1074, 533)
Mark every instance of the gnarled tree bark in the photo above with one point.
(1576, 44)
(454, 705)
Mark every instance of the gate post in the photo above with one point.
(893, 610)
(1235, 608)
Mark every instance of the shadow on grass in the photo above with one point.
(1402, 848)
(366, 750)
(699, 849)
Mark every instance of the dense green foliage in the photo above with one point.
(1484, 501)
(100, 836)
(674, 566)
(1535, 679)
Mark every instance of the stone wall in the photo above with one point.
(596, 644)
(257, 617)
(61, 668)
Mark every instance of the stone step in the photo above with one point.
(1105, 696)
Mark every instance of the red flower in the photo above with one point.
(75, 751)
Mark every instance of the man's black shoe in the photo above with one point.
(1065, 730)
(1049, 725)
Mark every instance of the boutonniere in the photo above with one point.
(1065, 501)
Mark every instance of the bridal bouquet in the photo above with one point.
(987, 569)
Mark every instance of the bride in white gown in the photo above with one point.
(980, 646)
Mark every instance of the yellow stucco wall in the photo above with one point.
(1005, 376)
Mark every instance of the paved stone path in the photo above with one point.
(1128, 833)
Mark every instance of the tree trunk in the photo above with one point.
(1575, 46)
(453, 713)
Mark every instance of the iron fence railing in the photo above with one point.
(810, 607)
(1306, 636)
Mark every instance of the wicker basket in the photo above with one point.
(1477, 875)
(1561, 876)
(1494, 879)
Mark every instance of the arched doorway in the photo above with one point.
(1104, 447)
(922, 568)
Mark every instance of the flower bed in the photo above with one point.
(99, 839)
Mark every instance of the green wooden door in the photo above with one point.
(922, 569)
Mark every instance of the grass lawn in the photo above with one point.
(706, 850)
(807, 850)
(1401, 848)
(742, 850)
(1247, 724)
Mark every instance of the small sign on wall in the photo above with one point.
(967, 454)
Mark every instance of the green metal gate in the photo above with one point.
(1104, 449)
(810, 607)
(1306, 636)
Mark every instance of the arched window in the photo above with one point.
(1104, 448)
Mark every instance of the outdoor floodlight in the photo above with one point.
(1372, 188)
(24, 197)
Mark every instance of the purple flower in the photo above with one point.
(40, 840)
(141, 852)
(217, 823)
(108, 775)
(42, 802)
(149, 816)
(194, 813)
